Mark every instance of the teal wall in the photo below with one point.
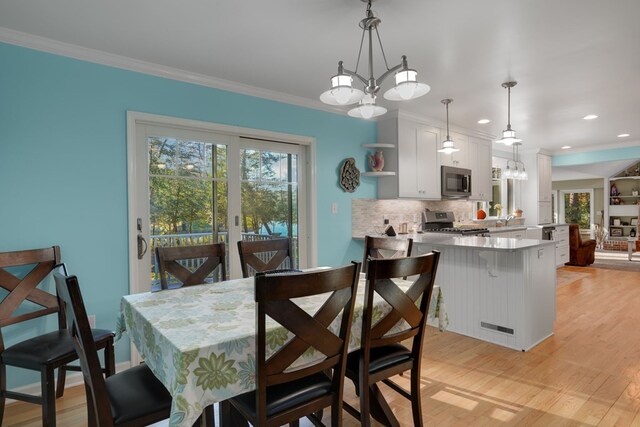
(63, 166)
(586, 158)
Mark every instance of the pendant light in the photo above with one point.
(447, 145)
(342, 91)
(508, 135)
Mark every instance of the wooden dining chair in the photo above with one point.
(134, 397)
(20, 274)
(191, 265)
(257, 256)
(382, 355)
(284, 394)
(383, 247)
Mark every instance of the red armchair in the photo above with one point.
(581, 252)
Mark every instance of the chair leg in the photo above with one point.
(91, 413)
(365, 409)
(3, 388)
(48, 383)
(62, 376)
(416, 401)
(109, 359)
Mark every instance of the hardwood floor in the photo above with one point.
(588, 373)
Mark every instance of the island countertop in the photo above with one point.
(492, 243)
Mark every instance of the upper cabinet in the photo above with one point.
(459, 159)
(479, 161)
(544, 178)
(536, 191)
(417, 161)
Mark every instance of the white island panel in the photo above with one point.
(497, 290)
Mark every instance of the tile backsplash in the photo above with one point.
(366, 214)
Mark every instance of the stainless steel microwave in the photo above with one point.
(456, 182)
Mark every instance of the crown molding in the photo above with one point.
(430, 121)
(43, 44)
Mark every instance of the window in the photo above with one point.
(576, 207)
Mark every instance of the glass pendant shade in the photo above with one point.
(448, 147)
(367, 109)
(507, 173)
(524, 175)
(342, 91)
(407, 86)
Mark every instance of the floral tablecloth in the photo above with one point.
(199, 340)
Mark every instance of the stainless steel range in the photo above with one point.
(442, 222)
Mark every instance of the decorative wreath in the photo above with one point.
(349, 178)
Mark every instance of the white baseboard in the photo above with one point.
(73, 379)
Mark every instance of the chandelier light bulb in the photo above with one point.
(367, 109)
(342, 95)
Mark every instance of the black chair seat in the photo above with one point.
(381, 357)
(284, 396)
(51, 348)
(135, 393)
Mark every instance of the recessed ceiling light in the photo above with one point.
(566, 147)
(590, 117)
(623, 135)
(484, 121)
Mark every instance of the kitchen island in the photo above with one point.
(500, 290)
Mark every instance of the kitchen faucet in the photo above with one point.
(508, 218)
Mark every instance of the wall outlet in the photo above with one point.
(334, 208)
(92, 320)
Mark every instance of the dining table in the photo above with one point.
(200, 340)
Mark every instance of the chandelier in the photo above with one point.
(508, 135)
(447, 144)
(342, 92)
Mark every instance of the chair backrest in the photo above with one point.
(257, 256)
(403, 304)
(68, 290)
(274, 293)
(382, 247)
(191, 265)
(574, 236)
(21, 289)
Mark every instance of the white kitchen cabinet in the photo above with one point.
(415, 160)
(503, 296)
(459, 159)
(536, 191)
(480, 152)
(561, 237)
(544, 178)
(544, 213)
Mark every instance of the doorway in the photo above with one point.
(193, 183)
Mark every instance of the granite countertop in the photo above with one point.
(493, 243)
(506, 228)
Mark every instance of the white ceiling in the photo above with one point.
(570, 57)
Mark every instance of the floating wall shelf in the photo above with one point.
(378, 146)
(382, 173)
